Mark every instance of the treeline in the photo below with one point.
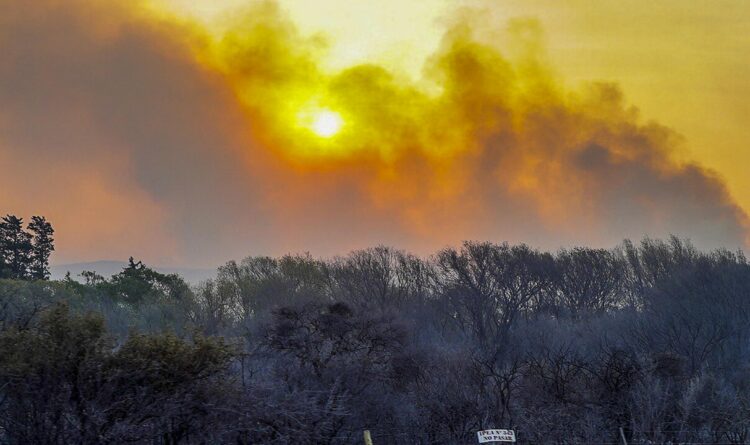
(24, 253)
(564, 347)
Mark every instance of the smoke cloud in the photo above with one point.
(138, 134)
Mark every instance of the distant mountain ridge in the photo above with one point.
(108, 268)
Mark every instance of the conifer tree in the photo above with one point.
(42, 247)
(15, 247)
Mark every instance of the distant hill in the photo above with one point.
(109, 268)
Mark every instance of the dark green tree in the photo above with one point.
(63, 381)
(138, 283)
(15, 248)
(42, 247)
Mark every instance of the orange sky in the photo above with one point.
(682, 63)
(190, 133)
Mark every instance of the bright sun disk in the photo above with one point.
(326, 123)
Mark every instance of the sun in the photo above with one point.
(326, 123)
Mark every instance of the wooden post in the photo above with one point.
(368, 439)
(622, 435)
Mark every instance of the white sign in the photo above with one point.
(496, 436)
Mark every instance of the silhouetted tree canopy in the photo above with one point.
(563, 347)
(24, 254)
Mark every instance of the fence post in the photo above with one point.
(368, 439)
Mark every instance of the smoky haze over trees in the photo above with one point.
(563, 347)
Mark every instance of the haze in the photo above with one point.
(180, 131)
